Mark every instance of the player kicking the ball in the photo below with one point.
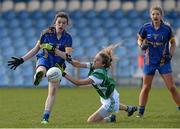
(101, 81)
(58, 37)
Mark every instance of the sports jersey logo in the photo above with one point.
(155, 36)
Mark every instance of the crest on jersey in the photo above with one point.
(155, 36)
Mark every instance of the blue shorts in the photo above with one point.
(42, 61)
(151, 69)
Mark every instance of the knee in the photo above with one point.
(146, 88)
(92, 119)
(89, 120)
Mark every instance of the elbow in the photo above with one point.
(77, 83)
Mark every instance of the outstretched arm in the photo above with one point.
(15, 61)
(32, 52)
(77, 82)
(67, 57)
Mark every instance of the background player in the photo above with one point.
(154, 39)
(57, 37)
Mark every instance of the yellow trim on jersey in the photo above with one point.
(172, 40)
(155, 43)
(68, 50)
(147, 56)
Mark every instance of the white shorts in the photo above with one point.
(111, 104)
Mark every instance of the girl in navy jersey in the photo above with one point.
(156, 39)
(58, 38)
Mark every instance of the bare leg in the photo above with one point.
(51, 95)
(53, 86)
(143, 96)
(168, 79)
(95, 117)
(41, 68)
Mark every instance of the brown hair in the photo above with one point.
(62, 14)
(107, 55)
(157, 8)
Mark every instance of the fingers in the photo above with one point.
(12, 65)
(15, 67)
(12, 61)
(15, 58)
(9, 63)
(15, 62)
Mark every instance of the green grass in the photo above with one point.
(23, 108)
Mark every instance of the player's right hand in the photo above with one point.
(144, 46)
(15, 62)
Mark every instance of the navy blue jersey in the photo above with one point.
(61, 44)
(158, 40)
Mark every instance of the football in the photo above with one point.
(54, 74)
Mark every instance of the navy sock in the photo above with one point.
(179, 108)
(141, 110)
(46, 115)
(129, 108)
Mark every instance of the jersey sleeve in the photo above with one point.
(95, 80)
(68, 47)
(41, 39)
(171, 37)
(69, 41)
(142, 32)
(97, 77)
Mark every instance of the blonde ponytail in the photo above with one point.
(108, 55)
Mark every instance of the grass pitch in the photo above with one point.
(23, 108)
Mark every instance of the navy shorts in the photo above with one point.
(42, 61)
(151, 69)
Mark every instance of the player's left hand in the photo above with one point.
(47, 46)
(15, 62)
(61, 68)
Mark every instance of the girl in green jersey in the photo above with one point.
(102, 82)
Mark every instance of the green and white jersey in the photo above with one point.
(103, 84)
